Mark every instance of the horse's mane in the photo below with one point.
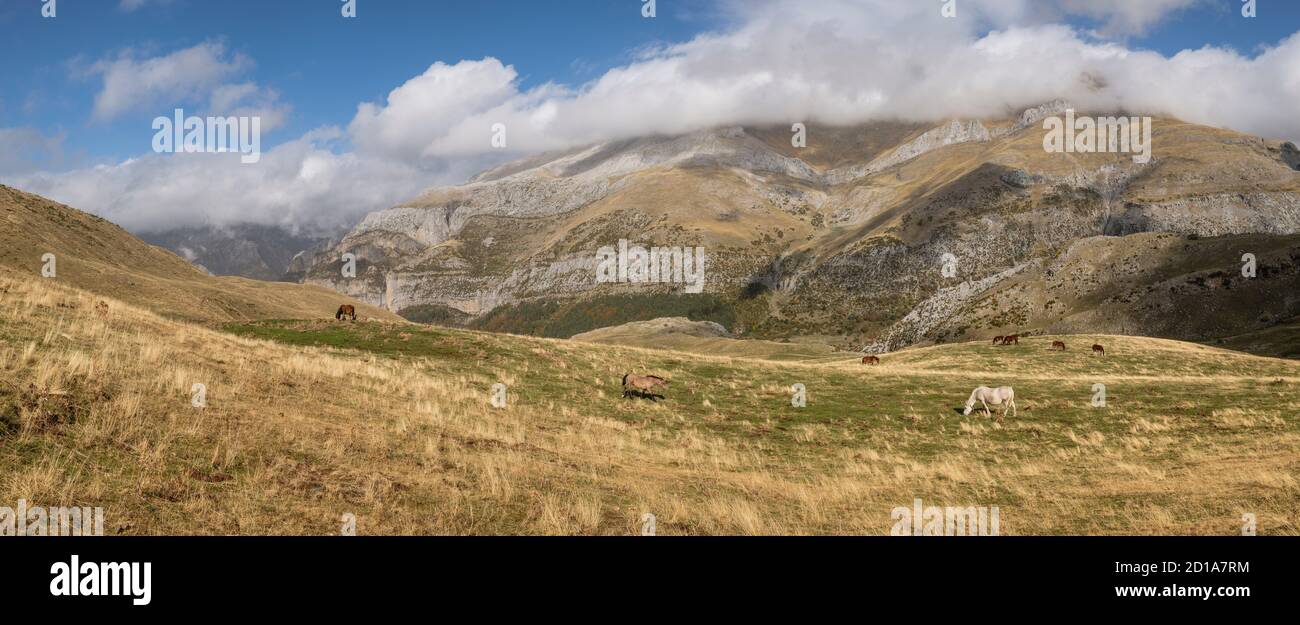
(625, 378)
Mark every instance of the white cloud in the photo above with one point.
(189, 76)
(831, 61)
(302, 185)
(247, 99)
(1127, 17)
(28, 149)
(431, 104)
(847, 61)
(128, 6)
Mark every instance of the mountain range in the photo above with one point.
(872, 237)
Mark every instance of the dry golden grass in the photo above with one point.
(97, 411)
(96, 255)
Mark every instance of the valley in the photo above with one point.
(392, 422)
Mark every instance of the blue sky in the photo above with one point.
(361, 113)
(1219, 23)
(321, 64)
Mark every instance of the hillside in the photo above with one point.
(100, 257)
(846, 238)
(705, 337)
(306, 421)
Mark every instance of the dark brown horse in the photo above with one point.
(1059, 345)
(1098, 349)
(997, 340)
(1011, 339)
(346, 310)
(870, 360)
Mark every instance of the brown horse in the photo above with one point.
(997, 340)
(1098, 349)
(1011, 339)
(870, 360)
(1059, 345)
(643, 385)
(346, 310)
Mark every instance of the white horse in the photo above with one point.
(1002, 396)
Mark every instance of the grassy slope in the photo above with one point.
(1282, 340)
(96, 255)
(310, 420)
(675, 337)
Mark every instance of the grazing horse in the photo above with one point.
(1003, 396)
(1058, 345)
(1098, 349)
(997, 340)
(346, 310)
(870, 360)
(643, 385)
(1011, 339)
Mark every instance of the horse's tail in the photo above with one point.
(625, 378)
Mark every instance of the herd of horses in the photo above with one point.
(645, 386)
(1002, 396)
(1011, 339)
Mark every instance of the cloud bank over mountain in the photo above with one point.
(778, 61)
(844, 63)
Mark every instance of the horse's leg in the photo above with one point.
(987, 412)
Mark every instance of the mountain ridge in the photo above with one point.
(846, 246)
